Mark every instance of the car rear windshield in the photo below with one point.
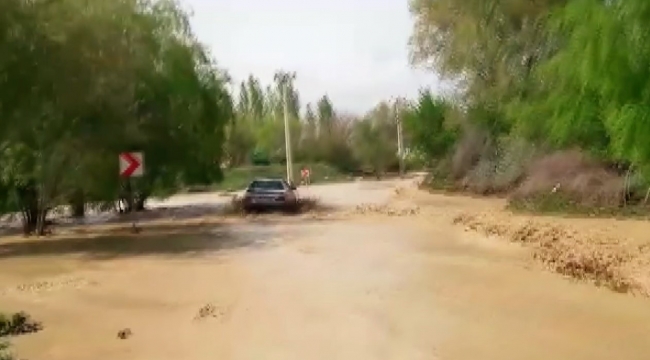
(266, 185)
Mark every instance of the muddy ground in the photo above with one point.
(394, 274)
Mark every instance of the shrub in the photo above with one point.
(468, 151)
(571, 178)
(18, 324)
(5, 354)
(501, 168)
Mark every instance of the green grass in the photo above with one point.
(239, 178)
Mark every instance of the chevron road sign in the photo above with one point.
(131, 164)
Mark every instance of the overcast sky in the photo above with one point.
(353, 50)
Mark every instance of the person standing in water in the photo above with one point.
(305, 175)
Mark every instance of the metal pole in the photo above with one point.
(400, 145)
(287, 135)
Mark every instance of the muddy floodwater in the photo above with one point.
(363, 287)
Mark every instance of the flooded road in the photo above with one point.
(363, 287)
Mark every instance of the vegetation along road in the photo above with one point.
(520, 230)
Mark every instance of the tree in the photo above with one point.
(375, 139)
(425, 121)
(284, 81)
(491, 46)
(104, 77)
(326, 115)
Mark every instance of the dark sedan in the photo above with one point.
(270, 194)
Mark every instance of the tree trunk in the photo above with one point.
(127, 197)
(626, 187)
(41, 223)
(139, 202)
(30, 219)
(77, 204)
(28, 200)
(140, 199)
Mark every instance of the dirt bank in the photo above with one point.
(610, 253)
(613, 253)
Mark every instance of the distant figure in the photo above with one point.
(305, 176)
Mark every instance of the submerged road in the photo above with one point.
(363, 287)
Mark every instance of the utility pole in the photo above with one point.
(400, 142)
(287, 134)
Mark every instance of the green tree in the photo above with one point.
(491, 46)
(425, 121)
(93, 79)
(375, 139)
(326, 115)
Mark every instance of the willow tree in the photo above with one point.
(84, 80)
(491, 46)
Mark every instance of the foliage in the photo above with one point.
(15, 324)
(426, 123)
(83, 81)
(555, 73)
(18, 324)
(375, 139)
(4, 351)
(256, 136)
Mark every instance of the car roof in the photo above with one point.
(260, 181)
(268, 179)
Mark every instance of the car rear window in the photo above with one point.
(266, 185)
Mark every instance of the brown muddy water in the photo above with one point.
(368, 287)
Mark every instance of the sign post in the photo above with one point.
(131, 165)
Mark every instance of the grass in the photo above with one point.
(239, 178)
(555, 204)
(552, 204)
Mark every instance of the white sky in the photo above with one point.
(353, 50)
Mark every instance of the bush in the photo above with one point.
(501, 169)
(18, 324)
(260, 159)
(4, 351)
(570, 179)
(468, 151)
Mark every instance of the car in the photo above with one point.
(270, 194)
